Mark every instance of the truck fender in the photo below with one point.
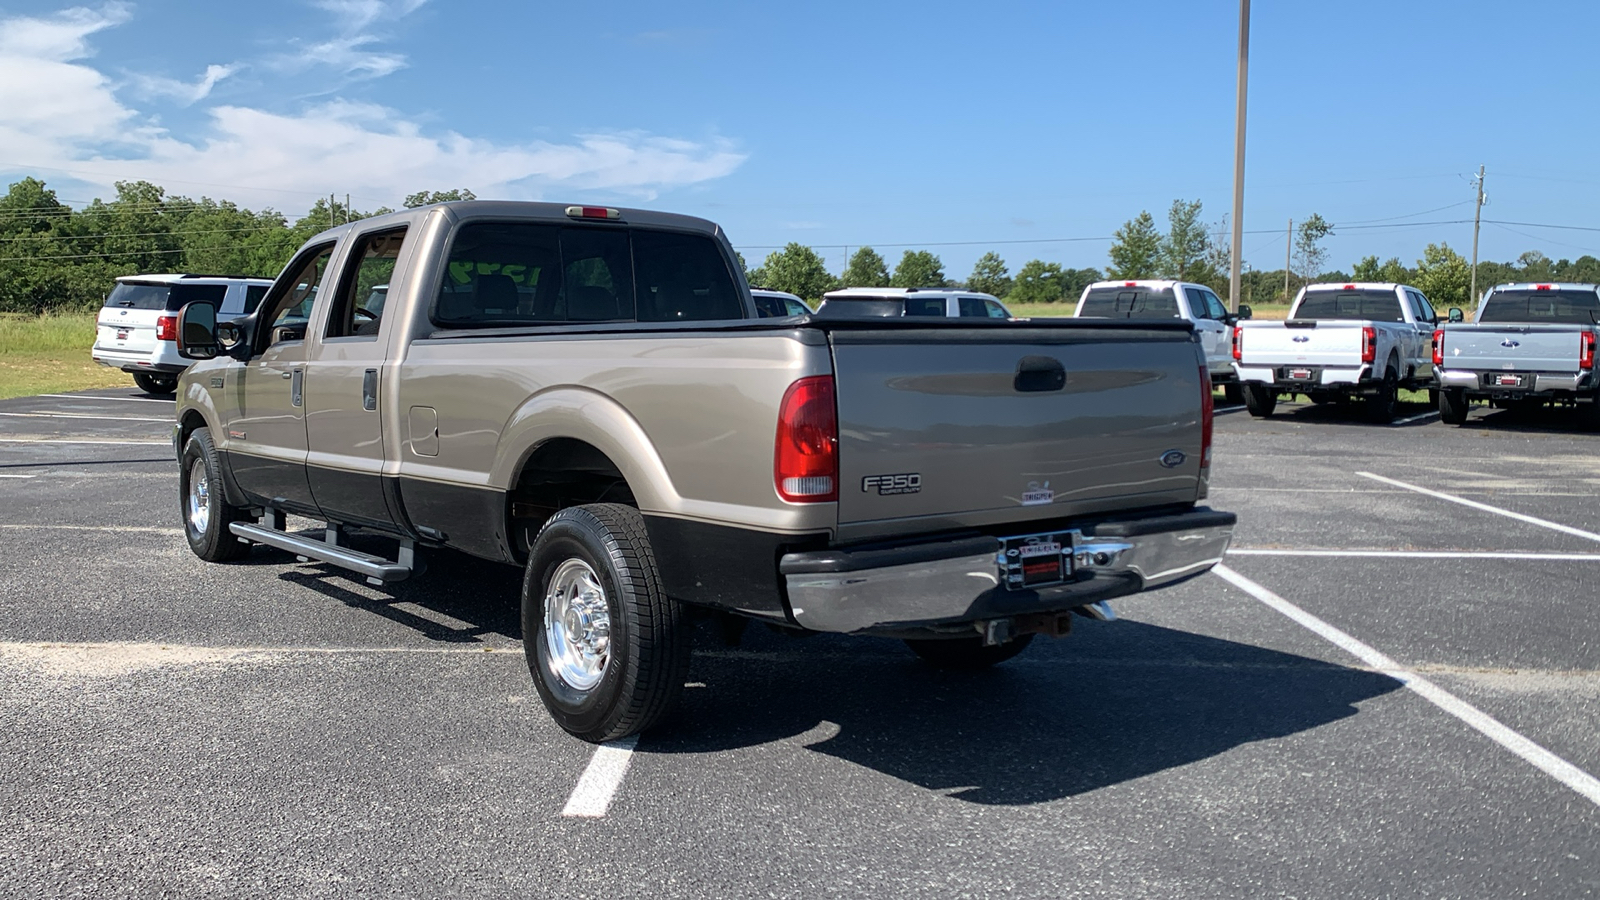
(198, 410)
(592, 417)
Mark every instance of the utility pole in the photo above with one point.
(347, 208)
(1477, 215)
(1236, 247)
(1288, 246)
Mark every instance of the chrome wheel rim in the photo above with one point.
(199, 497)
(577, 626)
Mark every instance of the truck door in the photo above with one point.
(1427, 319)
(1209, 326)
(266, 441)
(344, 410)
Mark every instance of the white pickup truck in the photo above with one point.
(1194, 303)
(1340, 342)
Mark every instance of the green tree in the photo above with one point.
(866, 269)
(1309, 254)
(1038, 282)
(797, 269)
(989, 275)
(423, 198)
(1073, 281)
(1136, 252)
(1535, 266)
(918, 268)
(1187, 245)
(1444, 276)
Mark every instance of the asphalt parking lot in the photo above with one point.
(1392, 689)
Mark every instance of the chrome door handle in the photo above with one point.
(288, 374)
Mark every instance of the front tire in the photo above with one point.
(967, 652)
(1453, 406)
(155, 384)
(205, 510)
(608, 650)
(1260, 399)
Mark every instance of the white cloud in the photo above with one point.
(348, 53)
(57, 112)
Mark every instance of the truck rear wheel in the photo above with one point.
(155, 384)
(1260, 400)
(967, 652)
(607, 648)
(1380, 406)
(1453, 406)
(204, 508)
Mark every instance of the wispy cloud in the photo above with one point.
(352, 53)
(56, 110)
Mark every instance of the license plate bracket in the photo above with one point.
(1036, 560)
(1300, 374)
(122, 334)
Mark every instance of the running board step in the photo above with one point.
(377, 569)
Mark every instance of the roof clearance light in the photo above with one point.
(593, 212)
(1542, 287)
(1130, 284)
(1349, 287)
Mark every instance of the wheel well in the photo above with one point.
(192, 422)
(561, 472)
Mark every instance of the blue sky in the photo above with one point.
(835, 123)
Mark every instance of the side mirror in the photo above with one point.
(197, 331)
(1455, 314)
(1244, 310)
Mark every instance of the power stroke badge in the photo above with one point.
(884, 485)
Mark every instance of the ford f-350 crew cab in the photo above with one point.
(1341, 341)
(590, 394)
(1532, 344)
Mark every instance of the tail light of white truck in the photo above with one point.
(806, 459)
(1207, 413)
(1438, 346)
(1369, 344)
(1586, 350)
(1238, 343)
(167, 328)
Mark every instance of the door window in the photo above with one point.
(925, 306)
(1197, 303)
(995, 310)
(971, 308)
(1214, 306)
(291, 310)
(363, 291)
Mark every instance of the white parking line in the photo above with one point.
(94, 398)
(1418, 554)
(145, 529)
(1531, 520)
(1542, 759)
(592, 797)
(19, 476)
(59, 441)
(61, 415)
(1407, 421)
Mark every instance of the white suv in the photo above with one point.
(139, 323)
(941, 302)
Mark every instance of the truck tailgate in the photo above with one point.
(1331, 343)
(1533, 348)
(1000, 425)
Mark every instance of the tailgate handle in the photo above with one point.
(1040, 373)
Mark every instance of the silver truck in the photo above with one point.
(1532, 345)
(590, 394)
(1340, 342)
(1194, 303)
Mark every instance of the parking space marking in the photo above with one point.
(599, 783)
(61, 441)
(1420, 554)
(1521, 517)
(1407, 421)
(63, 415)
(1549, 763)
(93, 398)
(147, 529)
(18, 476)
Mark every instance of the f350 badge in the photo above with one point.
(885, 485)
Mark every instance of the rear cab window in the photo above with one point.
(1130, 303)
(1351, 305)
(1556, 307)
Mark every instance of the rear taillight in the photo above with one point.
(806, 462)
(167, 328)
(1238, 343)
(1586, 350)
(1438, 346)
(1207, 412)
(1369, 344)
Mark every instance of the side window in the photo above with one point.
(597, 275)
(1425, 312)
(971, 308)
(252, 297)
(291, 310)
(996, 311)
(501, 274)
(1197, 303)
(925, 306)
(358, 310)
(684, 278)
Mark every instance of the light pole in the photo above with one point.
(1236, 247)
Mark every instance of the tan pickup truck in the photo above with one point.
(589, 393)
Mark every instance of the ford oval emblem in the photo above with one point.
(1173, 459)
(1508, 342)
(1301, 339)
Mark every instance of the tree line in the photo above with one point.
(54, 257)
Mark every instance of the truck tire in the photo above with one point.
(607, 648)
(203, 506)
(1380, 406)
(1453, 406)
(966, 652)
(152, 383)
(1233, 392)
(1260, 400)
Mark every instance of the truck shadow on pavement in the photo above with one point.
(1111, 703)
(1334, 413)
